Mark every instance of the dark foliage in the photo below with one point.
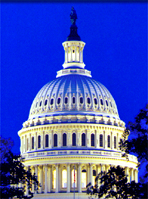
(113, 184)
(14, 177)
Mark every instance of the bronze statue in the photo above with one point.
(73, 16)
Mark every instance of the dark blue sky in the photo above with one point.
(32, 34)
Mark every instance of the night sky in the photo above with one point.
(32, 34)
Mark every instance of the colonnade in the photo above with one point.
(31, 142)
(60, 177)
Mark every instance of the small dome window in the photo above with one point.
(36, 104)
(59, 100)
(110, 104)
(40, 103)
(95, 101)
(73, 100)
(106, 102)
(66, 100)
(45, 102)
(101, 101)
(81, 100)
(88, 100)
(51, 102)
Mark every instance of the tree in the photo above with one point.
(14, 178)
(138, 139)
(114, 185)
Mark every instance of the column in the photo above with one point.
(49, 179)
(68, 178)
(136, 175)
(79, 178)
(132, 174)
(127, 173)
(90, 174)
(32, 169)
(45, 178)
(41, 178)
(57, 180)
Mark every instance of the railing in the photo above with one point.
(91, 153)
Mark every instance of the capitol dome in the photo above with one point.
(73, 94)
(73, 129)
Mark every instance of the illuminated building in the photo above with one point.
(73, 122)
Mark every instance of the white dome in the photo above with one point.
(73, 94)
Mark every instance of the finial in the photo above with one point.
(73, 36)
(73, 15)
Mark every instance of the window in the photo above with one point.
(115, 142)
(81, 100)
(83, 177)
(110, 104)
(83, 139)
(101, 140)
(95, 101)
(74, 178)
(32, 142)
(73, 139)
(64, 178)
(59, 100)
(41, 103)
(66, 100)
(55, 140)
(51, 101)
(101, 101)
(88, 100)
(46, 140)
(73, 100)
(54, 179)
(108, 140)
(92, 140)
(45, 102)
(39, 141)
(106, 102)
(36, 104)
(94, 177)
(64, 139)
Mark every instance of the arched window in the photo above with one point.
(74, 178)
(73, 100)
(46, 141)
(101, 140)
(101, 101)
(39, 141)
(83, 175)
(83, 139)
(64, 139)
(108, 140)
(66, 100)
(54, 179)
(88, 100)
(64, 178)
(92, 140)
(95, 101)
(94, 177)
(32, 142)
(45, 102)
(55, 140)
(115, 142)
(73, 139)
